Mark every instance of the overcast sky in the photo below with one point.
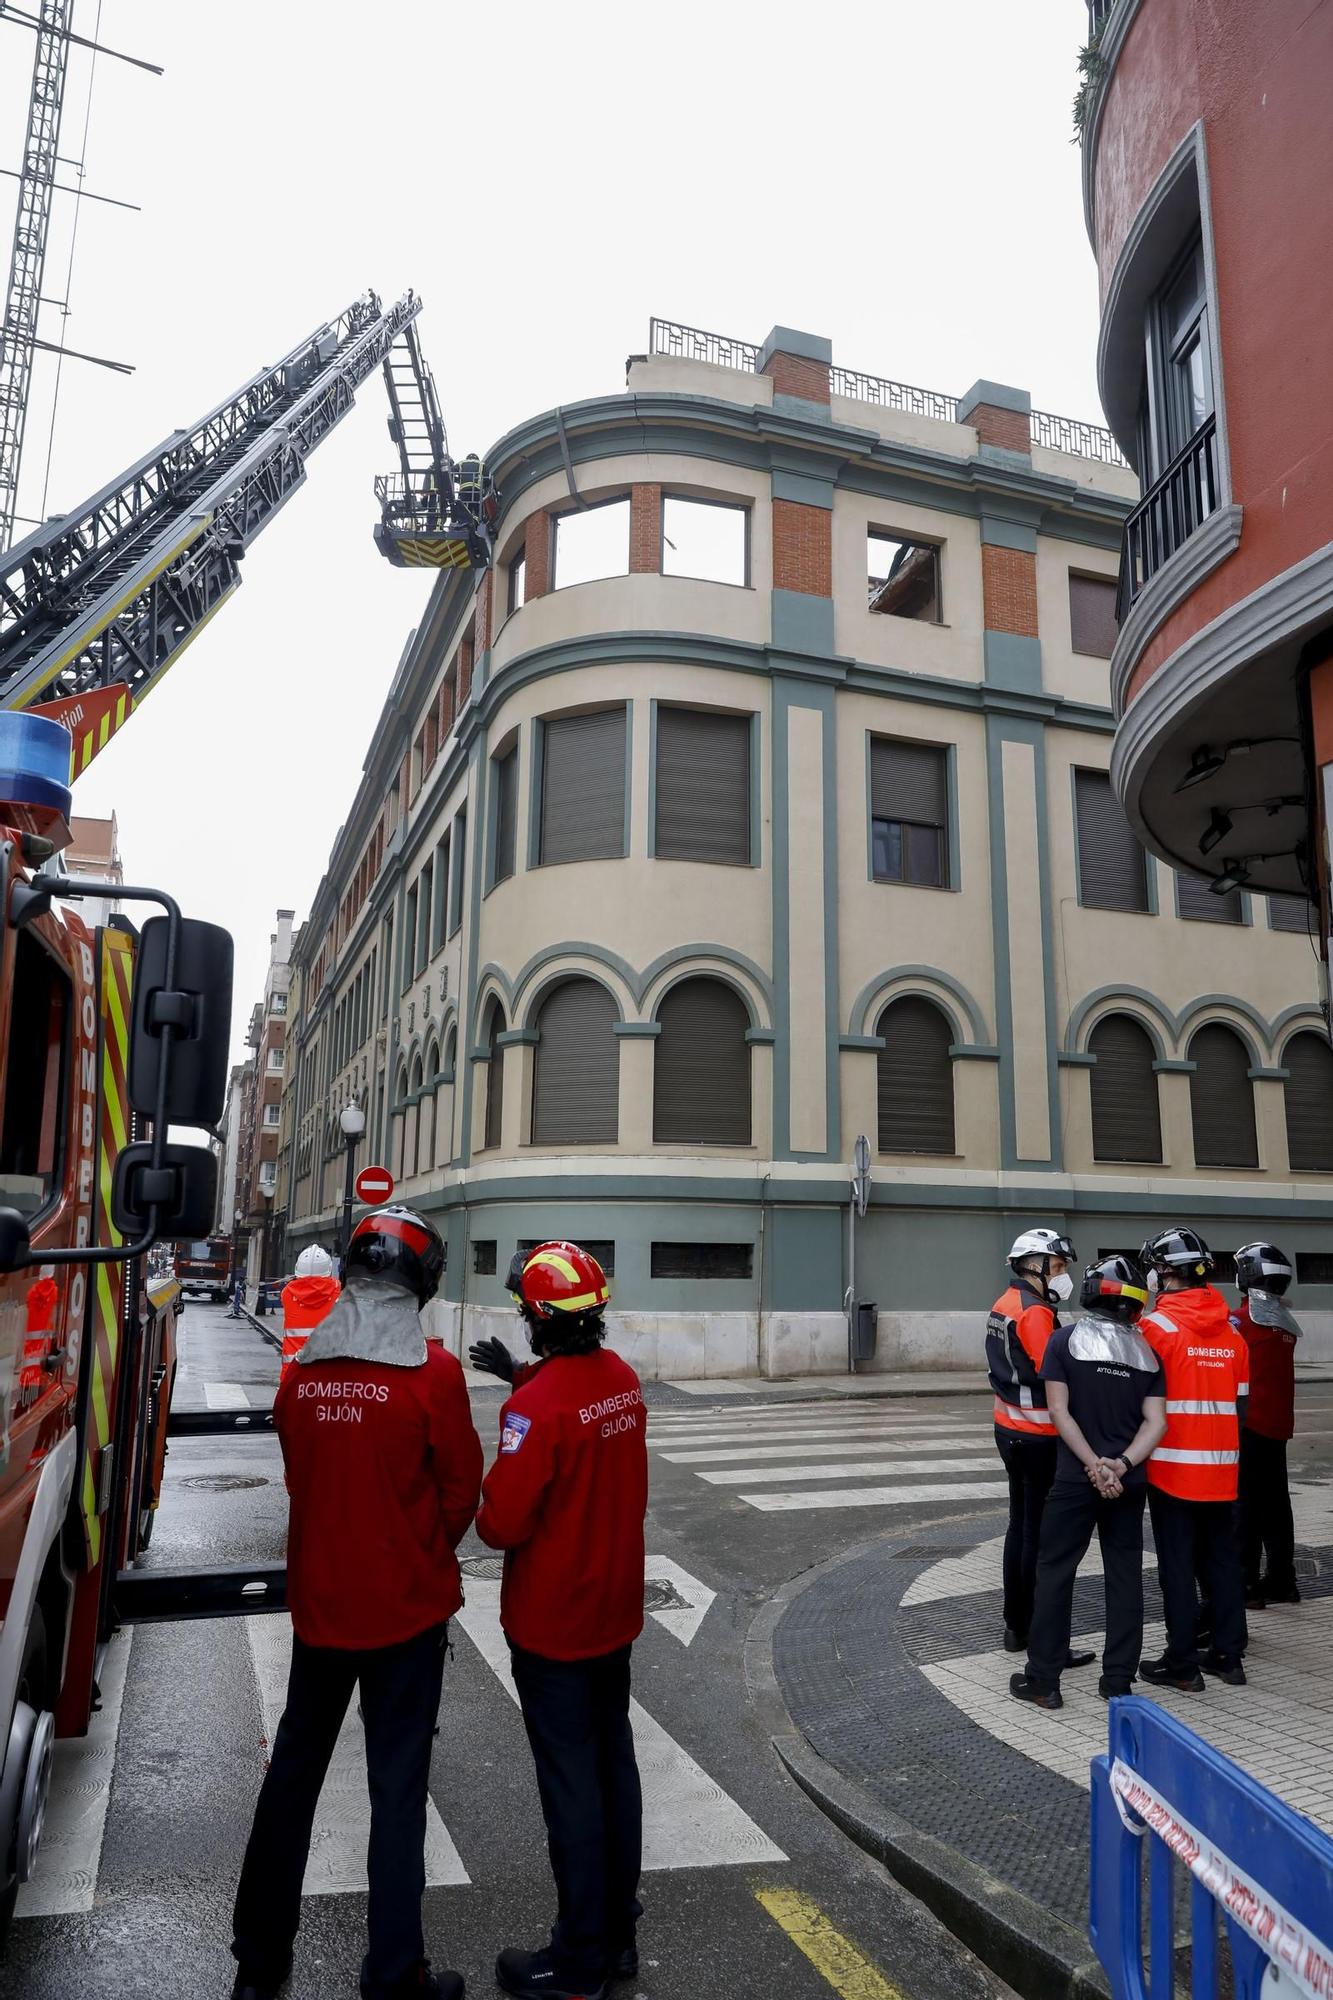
(546, 178)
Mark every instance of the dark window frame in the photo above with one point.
(1146, 908)
(750, 719)
(941, 830)
(1110, 586)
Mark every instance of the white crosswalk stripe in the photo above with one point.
(786, 1460)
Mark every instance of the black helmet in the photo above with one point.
(1181, 1251)
(1114, 1286)
(1262, 1267)
(400, 1244)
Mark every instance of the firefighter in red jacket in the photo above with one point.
(1021, 1322)
(1192, 1474)
(1270, 1332)
(384, 1468)
(307, 1299)
(565, 1500)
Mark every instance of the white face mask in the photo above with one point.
(1061, 1288)
(1152, 1281)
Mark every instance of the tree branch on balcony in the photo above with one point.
(1092, 71)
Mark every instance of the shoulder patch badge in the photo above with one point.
(515, 1430)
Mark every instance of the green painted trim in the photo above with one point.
(536, 762)
(756, 791)
(998, 395)
(875, 1042)
(955, 854)
(652, 778)
(1012, 662)
(1068, 1060)
(468, 998)
(974, 1052)
(626, 847)
(802, 624)
(790, 340)
(1160, 1013)
(1259, 1075)
(929, 976)
(513, 1038)
(803, 490)
(690, 955)
(1002, 534)
(637, 1031)
(760, 1037)
(445, 1076)
(480, 1055)
(781, 927)
(802, 409)
(999, 732)
(1168, 1066)
(1150, 865)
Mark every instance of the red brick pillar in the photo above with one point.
(645, 530)
(537, 551)
(1000, 415)
(482, 631)
(1009, 590)
(802, 548)
(798, 364)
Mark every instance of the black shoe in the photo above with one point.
(1041, 1696)
(1255, 1600)
(1160, 1673)
(1108, 1690)
(1014, 1642)
(534, 1975)
(625, 1963)
(1073, 1659)
(1271, 1595)
(1230, 1671)
(247, 1987)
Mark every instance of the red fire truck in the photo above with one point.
(204, 1269)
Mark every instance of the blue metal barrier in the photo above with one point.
(1267, 1870)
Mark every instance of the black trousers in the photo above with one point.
(1198, 1537)
(1030, 1466)
(1074, 1511)
(1267, 1530)
(576, 1713)
(400, 1699)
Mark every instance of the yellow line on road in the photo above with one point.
(847, 1970)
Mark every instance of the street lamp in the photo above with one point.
(353, 1122)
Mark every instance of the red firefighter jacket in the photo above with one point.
(1272, 1406)
(1206, 1368)
(1020, 1324)
(565, 1499)
(384, 1468)
(305, 1302)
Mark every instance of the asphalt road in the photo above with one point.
(148, 1824)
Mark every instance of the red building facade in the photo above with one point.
(1207, 166)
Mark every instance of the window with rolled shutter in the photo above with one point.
(576, 1076)
(1126, 1120)
(1092, 626)
(1112, 867)
(506, 815)
(701, 1070)
(703, 786)
(495, 1077)
(1197, 901)
(583, 787)
(1222, 1100)
(909, 810)
(915, 1079)
(1290, 913)
(1309, 1099)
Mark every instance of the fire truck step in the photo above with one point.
(220, 1423)
(231, 1590)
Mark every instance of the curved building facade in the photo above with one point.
(757, 799)
(1207, 159)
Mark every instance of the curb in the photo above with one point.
(1039, 1955)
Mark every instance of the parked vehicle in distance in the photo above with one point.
(204, 1269)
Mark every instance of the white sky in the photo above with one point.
(546, 180)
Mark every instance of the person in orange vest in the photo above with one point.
(1021, 1322)
(1193, 1474)
(1270, 1331)
(307, 1299)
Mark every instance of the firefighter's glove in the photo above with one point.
(492, 1357)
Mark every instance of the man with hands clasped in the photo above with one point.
(1107, 1397)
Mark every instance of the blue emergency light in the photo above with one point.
(34, 762)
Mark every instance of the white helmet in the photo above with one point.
(314, 1262)
(1041, 1243)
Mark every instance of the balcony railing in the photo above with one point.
(893, 395)
(667, 336)
(1168, 514)
(1097, 13)
(1073, 435)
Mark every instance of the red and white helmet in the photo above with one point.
(558, 1281)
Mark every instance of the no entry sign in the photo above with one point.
(374, 1185)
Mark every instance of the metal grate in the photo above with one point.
(1073, 435)
(893, 395)
(668, 336)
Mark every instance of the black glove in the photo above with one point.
(492, 1357)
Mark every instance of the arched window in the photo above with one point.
(414, 1116)
(576, 1076)
(429, 1110)
(1309, 1096)
(1126, 1121)
(701, 1074)
(495, 1075)
(914, 1074)
(1222, 1100)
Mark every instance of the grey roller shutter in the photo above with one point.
(1092, 623)
(915, 1079)
(1197, 901)
(583, 787)
(1112, 867)
(908, 781)
(1290, 913)
(1309, 1098)
(1126, 1120)
(703, 786)
(1222, 1100)
(506, 814)
(576, 1079)
(495, 1080)
(701, 1076)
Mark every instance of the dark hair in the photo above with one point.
(565, 1333)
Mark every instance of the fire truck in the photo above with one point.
(109, 1036)
(203, 1269)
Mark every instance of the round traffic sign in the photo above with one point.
(374, 1185)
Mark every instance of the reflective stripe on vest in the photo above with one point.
(1172, 1456)
(1011, 1418)
(292, 1343)
(1195, 1408)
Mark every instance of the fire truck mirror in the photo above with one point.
(185, 1192)
(13, 1240)
(198, 1006)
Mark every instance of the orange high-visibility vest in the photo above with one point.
(1017, 1331)
(305, 1302)
(1206, 1365)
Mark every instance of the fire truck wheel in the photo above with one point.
(24, 1793)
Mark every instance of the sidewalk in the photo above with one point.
(889, 1665)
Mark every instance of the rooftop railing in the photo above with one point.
(691, 343)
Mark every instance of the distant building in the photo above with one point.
(267, 1038)
(95, 850)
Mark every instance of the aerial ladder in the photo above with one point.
(97, 606)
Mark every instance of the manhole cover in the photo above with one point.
(1307, 1566)
(488, 1568)
(222, 1482)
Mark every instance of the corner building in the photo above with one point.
(759, 798)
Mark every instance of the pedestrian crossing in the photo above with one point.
(833, 1455)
